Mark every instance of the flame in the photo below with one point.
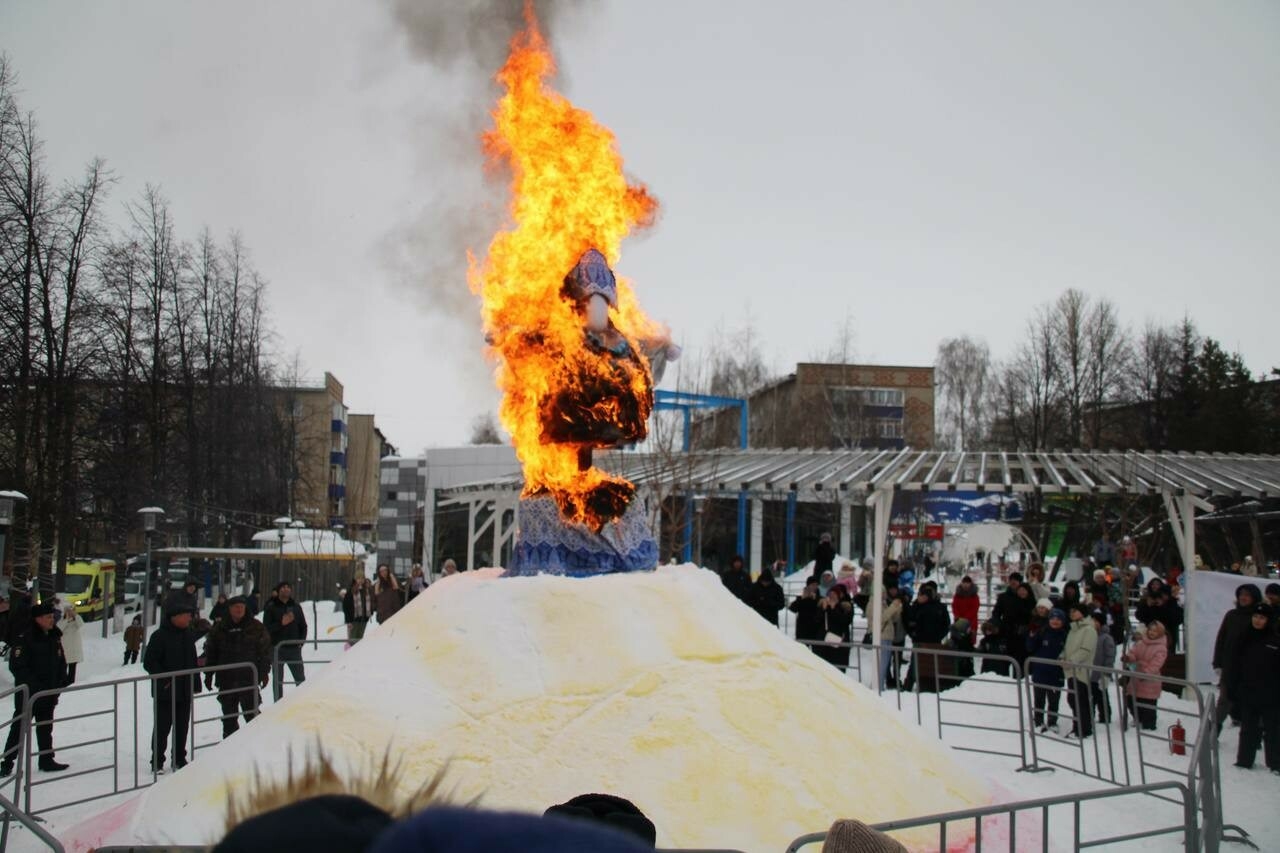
(568, 194)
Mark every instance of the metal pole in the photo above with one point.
(146, 593)
(742, 529)
(791, 529)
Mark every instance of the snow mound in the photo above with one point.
(658, 687)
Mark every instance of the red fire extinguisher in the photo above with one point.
(1177, 739)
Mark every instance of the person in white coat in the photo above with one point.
(72, 644)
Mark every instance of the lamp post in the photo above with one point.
(151, 516)
(281, 523)
(8, 500)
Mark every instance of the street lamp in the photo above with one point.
(8, 500)
(281, 523)
(151, 516)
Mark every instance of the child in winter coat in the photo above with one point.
(1047, 678)
(133, 636)
(1147, 655)
(993, 643)
(1104, 655)
(959, 639)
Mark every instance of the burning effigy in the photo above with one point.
(576, 356)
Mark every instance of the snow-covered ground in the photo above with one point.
(1249, 797)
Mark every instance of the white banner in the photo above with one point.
(1207, 598)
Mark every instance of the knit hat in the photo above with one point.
(611, 811)
(1045, 603)
(1264, 609)
(1056, 613)
(961, 624)
(44, 608)
(455, 830)
(1099, 616)
(174, 606)
(340, 823)
(237, 599)
(854, 836)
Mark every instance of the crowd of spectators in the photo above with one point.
(1070, 641)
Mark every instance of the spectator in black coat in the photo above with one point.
(239, 638)
(1070, 596)
(172, 648)
(219, 609)
(36, 660)
(187, 596)
(836, 611)
(1235, 626)
(1158, 605)
(19, 623)
(927, 618)
(928, 623)
(824, 555)
(358, 605)
(1255, 690)
(891, 572)
(736, 579)
(766, 597)
(285, 623)
(1013, 611)
(808, 618)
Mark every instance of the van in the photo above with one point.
(88, 585)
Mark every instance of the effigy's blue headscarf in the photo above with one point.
(591, 275)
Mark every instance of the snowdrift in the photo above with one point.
(659, 687)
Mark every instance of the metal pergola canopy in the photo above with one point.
(811, 473)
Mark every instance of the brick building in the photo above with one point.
(833, 406)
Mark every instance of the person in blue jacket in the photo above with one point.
(1046, 678)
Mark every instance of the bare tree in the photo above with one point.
(1108, 365)
(1070, 316)
(963, 372)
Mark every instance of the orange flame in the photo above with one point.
(568, 194)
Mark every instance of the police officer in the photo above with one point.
(38, 662)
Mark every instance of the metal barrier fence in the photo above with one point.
(9, 810)
(1099, 755)
(1044, 806)
(1120, 760)
(296, 663)
(936, 670)
(112, 711)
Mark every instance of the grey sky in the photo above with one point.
(925, 168)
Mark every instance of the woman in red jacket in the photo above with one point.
(964, 605)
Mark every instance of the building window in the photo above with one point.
(889, 427)
(391, 495)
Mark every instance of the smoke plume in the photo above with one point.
(465, 42)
